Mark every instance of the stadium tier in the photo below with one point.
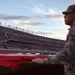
(14, 40)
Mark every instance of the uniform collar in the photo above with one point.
(73, 26)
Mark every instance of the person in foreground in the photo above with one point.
(67, 55)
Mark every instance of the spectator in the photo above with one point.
(67, 55)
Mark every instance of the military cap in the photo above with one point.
(70, 9)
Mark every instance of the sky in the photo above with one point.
(43, 17)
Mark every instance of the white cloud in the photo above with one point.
(39, 9)
(27, 23)
(15, 21)
(50, 13)
(32, 22)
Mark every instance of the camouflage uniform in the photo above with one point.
(67, 55)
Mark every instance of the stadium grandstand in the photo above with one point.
(14, 40)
